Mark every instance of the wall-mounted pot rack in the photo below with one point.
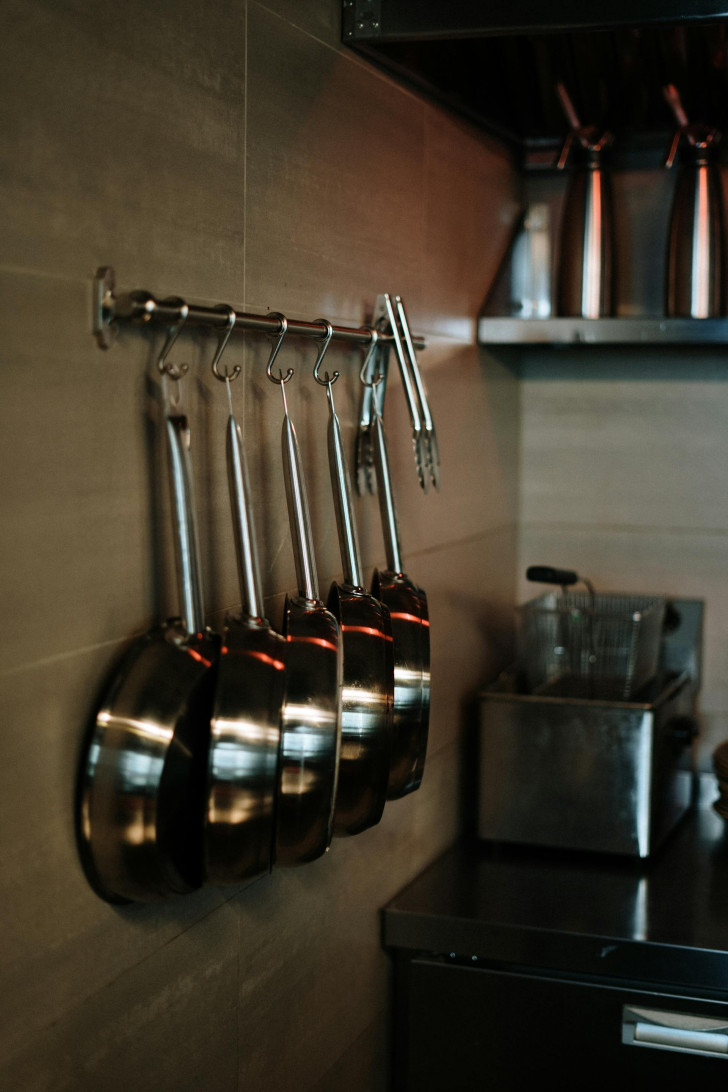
(141, 308)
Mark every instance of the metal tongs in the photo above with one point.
(390, 317)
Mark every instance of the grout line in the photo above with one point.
(455, 543)
(341, 50)
(295, 26)
(622, 528)
(151, 954)
(126, 638)
(44, 274)
(60, 657)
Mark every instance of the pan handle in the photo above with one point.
(186, 541)
(243, 527)
(546, 574)
(384, 491)
(298, 513)
(341, 486)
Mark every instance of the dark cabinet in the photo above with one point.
(515, 967)
(465, 1028)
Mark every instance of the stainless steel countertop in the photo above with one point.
(661, 921)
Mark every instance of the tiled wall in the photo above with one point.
(225, 151)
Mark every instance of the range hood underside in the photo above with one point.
(503, 77)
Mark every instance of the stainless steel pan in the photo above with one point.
(311, 720)
(143, 781)
(407, 605)
(245, 728)
(368, 670)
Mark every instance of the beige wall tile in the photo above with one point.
(363, 1067)
(167, 1022)
(473, 201)
(475, 406)
(61, 943)
(321, 18)
(123, 141)
(335, 187)
(75, 534)
(620, 439)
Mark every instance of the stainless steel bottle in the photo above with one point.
(585, 281)
(695, 280)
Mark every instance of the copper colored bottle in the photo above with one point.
(585, 282)
(695, 249)
(695, 281)
(586, 264)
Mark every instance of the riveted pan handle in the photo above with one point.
(186, 541)
(298, 513)
(546, 574)
(243, 527)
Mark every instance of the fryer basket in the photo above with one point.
(579, 645)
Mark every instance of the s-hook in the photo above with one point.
(363, 374)
(326, 338)
(174, 371)
(372, 373)
(224, 375)
(281, 334)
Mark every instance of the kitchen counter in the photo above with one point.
(511, 964)
(662, 921)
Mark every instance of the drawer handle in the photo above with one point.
(675, 1031)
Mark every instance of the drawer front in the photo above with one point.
(463, 1028)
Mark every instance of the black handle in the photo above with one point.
(545, 574)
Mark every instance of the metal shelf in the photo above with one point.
(605, 331)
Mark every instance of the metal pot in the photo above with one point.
(407, 604)
(143, 780)
(245, 727)
(368, 667)
(311, 718)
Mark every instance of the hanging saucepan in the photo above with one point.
(143, 781)
(368, 671)
(245, 727)
(311, 718)
(407, 605)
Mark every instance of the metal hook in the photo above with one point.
(378, 376)
(174, 371)
(225, 376)
(281, 334)
(322, 351)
